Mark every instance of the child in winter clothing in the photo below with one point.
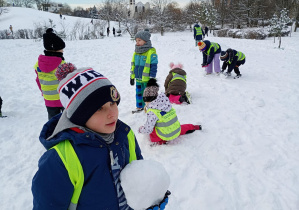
(162, 123)
(175, 84)
(211, 52)
(198, 33)
(143, 66)
(232, 59)
(88, 128)
(1, 107)
(45, 69)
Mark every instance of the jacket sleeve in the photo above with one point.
(233, 63)
(154, 65)
(37, 82)
(132, 73)
(224, 65)
(51, 186)
(150, 123)
(204, 57)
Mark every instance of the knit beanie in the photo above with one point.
(202, 46)
(223, 55)
(176, 66)
(144, 35)
(52, 41)
(83, 91)
(151, 91)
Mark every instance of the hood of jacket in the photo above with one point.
(48, 63)
(178, 71)
(161, 103)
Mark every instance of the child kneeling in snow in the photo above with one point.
(87, 146)
(175, 84)
(162, 123)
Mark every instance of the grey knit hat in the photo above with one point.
(83, 91)
(144, 35)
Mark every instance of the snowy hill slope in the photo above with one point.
(27, 18)
(245, 158)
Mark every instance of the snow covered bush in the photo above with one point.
(251, 33)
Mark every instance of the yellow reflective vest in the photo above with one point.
(167, 127)
(74, 168)
(48, 82)
(143, 62)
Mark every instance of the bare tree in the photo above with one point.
(159, 16)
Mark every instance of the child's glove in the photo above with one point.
(204, 65)
(132, 82)
(162, 204)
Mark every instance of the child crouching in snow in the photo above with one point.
(175, 84)
(162, 123)
(87, 146)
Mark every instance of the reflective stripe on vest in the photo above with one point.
(132, 146)
(198, 31)
(167, 127)
(215, 45)
(74, 168)
(147, 65)
(240, 55)
(49, 83)
(176, 76)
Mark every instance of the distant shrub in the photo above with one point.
(241, 33)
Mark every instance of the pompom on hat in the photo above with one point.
(83, 91)
(202, 46)
(144, 35)
(52, 42)
(151, 91)
(176, 66)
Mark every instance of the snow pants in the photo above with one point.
(185, 129)
(140, 86)
(216, 63)
(0, 103)
(52, 111)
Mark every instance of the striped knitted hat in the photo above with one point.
(83, 91)
(202, 46)
(223, 55)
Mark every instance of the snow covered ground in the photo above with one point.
(245, 158)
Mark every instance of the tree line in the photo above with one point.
(167, 15)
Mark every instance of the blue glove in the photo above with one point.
(162, 204)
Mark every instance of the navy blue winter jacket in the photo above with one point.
(208, 58)
(51, 186)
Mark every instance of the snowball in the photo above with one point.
(145, 183)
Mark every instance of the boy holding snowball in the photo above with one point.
(87, 146)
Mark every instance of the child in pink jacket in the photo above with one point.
(45, 69)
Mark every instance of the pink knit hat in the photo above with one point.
(174, 66)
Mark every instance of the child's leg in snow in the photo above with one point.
(209, 68)
(155, 138)
(187, 128)
(0, 103)
(140, 86)
(174, 99)
(216, 61)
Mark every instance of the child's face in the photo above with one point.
(104, 120)
(139, 42)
